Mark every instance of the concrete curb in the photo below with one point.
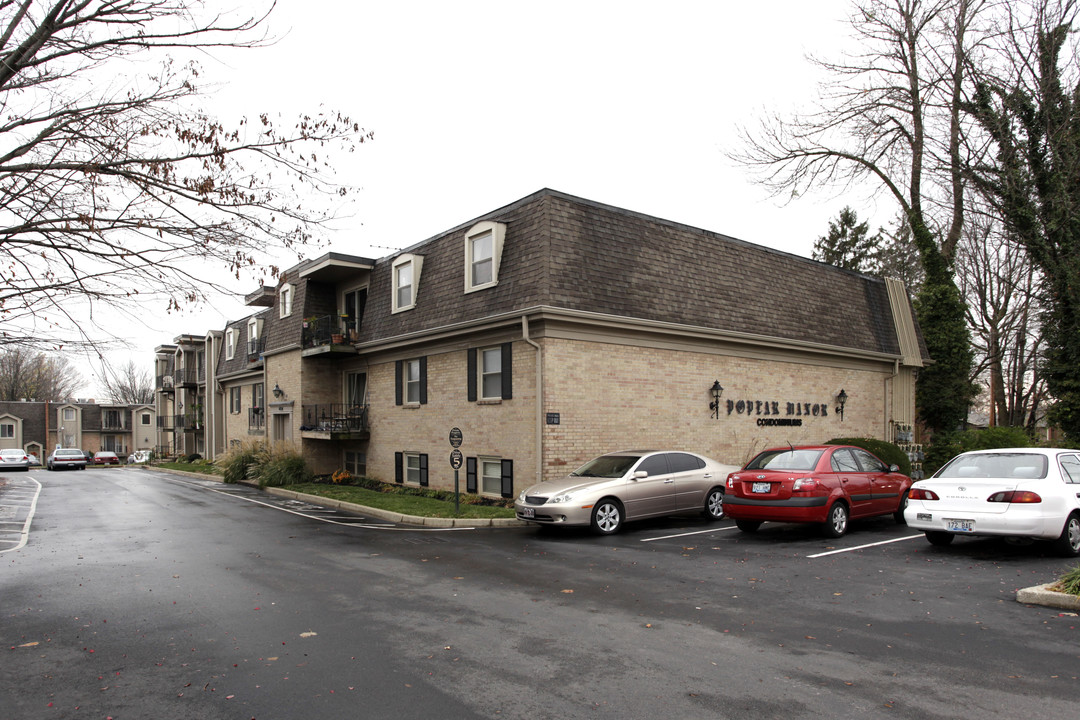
(369, 511)
(1043, 595)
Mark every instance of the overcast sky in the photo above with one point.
(477, 104)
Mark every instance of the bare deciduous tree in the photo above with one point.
(891, 119)
(129, 384)
(29, 375)
(112, 179)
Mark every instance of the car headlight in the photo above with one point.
(521, 497)
(562, 498)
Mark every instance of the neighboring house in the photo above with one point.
(39, 427)
(555, 329)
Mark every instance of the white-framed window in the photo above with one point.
(490, 476)
(144, 418)
(490, 367)
(235, 400)
(230, 343)
(69, 414)
(412, 468)
(412, 381)
(483, 253)
(7, 430)
(356, 463)
(355, 389)
(285, 301)
(405, 273)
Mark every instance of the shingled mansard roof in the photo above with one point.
(568, 253)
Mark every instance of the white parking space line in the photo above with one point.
(24, 534)
(696, 532)
(863, 547)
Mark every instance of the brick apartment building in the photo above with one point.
(548, 331)
(38, 427)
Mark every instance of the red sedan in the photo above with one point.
(106, 458)
(827, 484)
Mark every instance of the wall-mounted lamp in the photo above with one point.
(842, 399)
(278, 392)
(717, 390)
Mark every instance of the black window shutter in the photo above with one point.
(507, 478)
(507, 371)
(423, 380)
(423, 470)
(470, 474)
(399, 467)
(472, 374)
(398, 369)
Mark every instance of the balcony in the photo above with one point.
(335, 421)
(186, 378)
(165, 383)
(329, 335)
(166, 422)
(256, 421)
(188, 422)
(114, 424)
(255, 349)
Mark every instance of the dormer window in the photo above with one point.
(230, 343)
(406, 278)
(285, 301)
(483, 253)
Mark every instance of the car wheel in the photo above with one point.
(837, 523)
(1068, 545)
(714, 504)
(939, 539)
(748, 526)
(898, 516)
(607, 517)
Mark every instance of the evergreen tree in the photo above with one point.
(849, 243)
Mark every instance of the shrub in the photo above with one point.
(945, 446)
(238, 460)
(889, 453)
(278, 465)
(1070, 581)
(192, 457)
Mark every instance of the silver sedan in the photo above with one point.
(631, 485)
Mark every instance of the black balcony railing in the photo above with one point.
(255, 348)
(165, 382)
(114, 424)
(329, 330)
(256, 419)
(166, 422)
(186, 378)
(335, 417)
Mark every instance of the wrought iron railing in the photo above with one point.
(330, 330)
(335, 417)
(256, 419)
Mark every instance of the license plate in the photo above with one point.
(954, 525)
(761, 487)
(528, 512)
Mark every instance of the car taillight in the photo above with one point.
(1015, 496)
(731, 482)
(921, 494)
(804, 484)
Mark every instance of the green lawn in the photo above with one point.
(404, 504)
(391, 500)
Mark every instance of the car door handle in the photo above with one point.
(708, 475)
(669, 481)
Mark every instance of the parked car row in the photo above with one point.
(1024, 494)
(14, 459)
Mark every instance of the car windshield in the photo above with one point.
(11, 453)
(995, 465)
(789, 459)
(70, 453)
(607, 466)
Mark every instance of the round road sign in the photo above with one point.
(455, 459)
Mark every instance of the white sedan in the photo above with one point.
(1023, 493)
(613, 488)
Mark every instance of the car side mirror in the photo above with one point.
(640, 474)
(894, 468)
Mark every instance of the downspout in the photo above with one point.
(889, 417)
(539, 398)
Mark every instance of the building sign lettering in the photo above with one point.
(775, 413)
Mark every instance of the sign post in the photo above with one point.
(455, 462)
